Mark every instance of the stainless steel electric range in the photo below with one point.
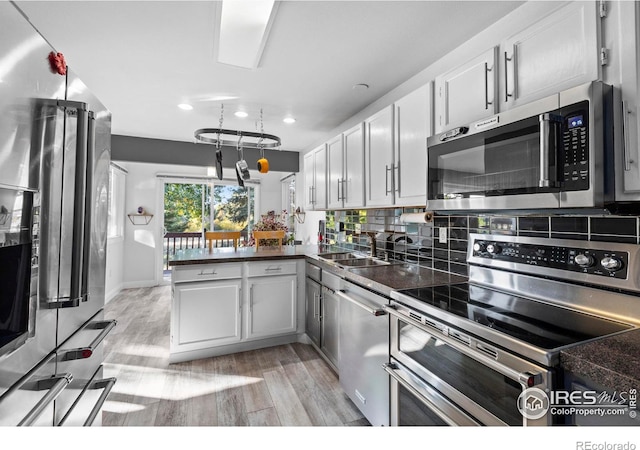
(463, 354)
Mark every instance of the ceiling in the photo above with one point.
(144, 58)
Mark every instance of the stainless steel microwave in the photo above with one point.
(551, 153)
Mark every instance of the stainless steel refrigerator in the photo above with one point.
(54, 183)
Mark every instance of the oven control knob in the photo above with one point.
(494, 249)
(479, 247)
(611, 264)
(584, 260)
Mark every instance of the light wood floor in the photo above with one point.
(282, 386)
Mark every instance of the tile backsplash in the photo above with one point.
(442, 243)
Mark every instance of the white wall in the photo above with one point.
(139, 256)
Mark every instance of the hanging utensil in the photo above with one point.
(218, 149)
(263, 164)
(242, 168)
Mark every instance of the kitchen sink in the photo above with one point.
(340, 256)
(360, 262)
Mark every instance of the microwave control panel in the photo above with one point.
(574, 163)
(591, 261)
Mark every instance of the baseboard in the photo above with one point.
(112, 293)
(139, 284)
(191, 355)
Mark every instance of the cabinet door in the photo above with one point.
(627, 167)
(379, 158)
(413, 125)
(353, 185)
(467, 93)
(555, 53)
(207, 313)
(320, 169)
(313, 317)
(272, 306)
(335, 173)
(309, 181)
(330, 326)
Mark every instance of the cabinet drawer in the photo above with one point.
(261, 269)
(313, 272)
(207, 272)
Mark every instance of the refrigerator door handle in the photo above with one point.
(85, 352)
(86, 246)
(78, 273)
(79, 213)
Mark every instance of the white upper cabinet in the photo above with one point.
(335, 172)
(345, 170)
(378, 144)
(315, 179)
(412, 115)
(309, 180)
(555, 53)
(627, 168)
(352, 189)
(467, 92)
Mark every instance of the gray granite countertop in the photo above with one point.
(612, 362)
(382, 279)
(229, 254)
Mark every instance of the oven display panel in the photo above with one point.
(597, 262)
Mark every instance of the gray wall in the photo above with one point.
(137, 149)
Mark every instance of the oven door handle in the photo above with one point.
(549, 124)
(521, 377)
(430, 401)
(368, 306)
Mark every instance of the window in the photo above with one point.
(115, 225)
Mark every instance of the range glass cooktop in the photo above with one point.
(540, 324)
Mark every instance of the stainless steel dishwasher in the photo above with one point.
(364, 348)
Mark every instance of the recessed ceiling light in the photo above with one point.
(360, 87)
(241, 114)
(289, 120)
(185, 106)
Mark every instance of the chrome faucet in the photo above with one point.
(372, 235)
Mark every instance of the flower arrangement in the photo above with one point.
(270, 222)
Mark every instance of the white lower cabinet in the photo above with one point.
(254, 305)
(206, 313)
(272, 306)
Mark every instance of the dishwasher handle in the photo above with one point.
(363, 303)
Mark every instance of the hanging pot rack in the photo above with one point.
(220, 136)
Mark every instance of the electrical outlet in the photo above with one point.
(442, 235)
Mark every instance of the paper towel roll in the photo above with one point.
(423, 217)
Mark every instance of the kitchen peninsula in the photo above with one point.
(227, 300)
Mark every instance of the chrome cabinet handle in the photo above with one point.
(396, 168)
(202, 273)
(388, 170)
(487, 103)
(85, 352)
(506, 77)
(625, 134)
(370, 308)
(273, 269)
